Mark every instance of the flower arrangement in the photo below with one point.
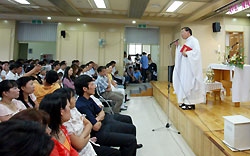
(237, 60)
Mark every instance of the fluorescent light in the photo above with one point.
(78, 19)
(100, 3)
(49, 18)
(22, 1)
(133, 22)
(248, 15)
(174, 6)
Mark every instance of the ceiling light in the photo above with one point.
(22, 1)
(248, 15)
(49, 18)
(78, 19)
(174, 6)
(133, 22)
(100, 3)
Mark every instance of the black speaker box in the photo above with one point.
(170, 73)
(63, 33)
(216, 27)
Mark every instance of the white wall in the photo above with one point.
(7, 38)
(82, 43)
(39, 48)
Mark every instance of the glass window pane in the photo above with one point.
(131, 49)
(146, 48)
(138, 49)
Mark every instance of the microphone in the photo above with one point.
(173, 42)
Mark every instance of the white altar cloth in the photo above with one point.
(240, 81)
(241, 84)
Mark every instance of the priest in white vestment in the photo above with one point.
(187, 76)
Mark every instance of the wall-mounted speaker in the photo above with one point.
(63, 33)
(216, 27)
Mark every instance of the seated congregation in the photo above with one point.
(60, 110)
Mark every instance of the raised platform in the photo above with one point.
(141, 89)
(202, 128)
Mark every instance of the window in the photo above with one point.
(137, 48)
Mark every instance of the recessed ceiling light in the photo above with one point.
(22, 1)
(133, 22)
(100, 3)
(174, 6)
(5, 21)
(49, 18)
(78, 19)
(248, 15)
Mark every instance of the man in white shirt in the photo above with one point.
(15, 69)
(63, 65)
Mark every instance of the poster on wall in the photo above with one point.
(48, 57)
(30, 51)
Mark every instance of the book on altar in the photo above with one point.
(186, 47)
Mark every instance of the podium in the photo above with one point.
(237, 132)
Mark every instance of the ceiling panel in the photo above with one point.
(119, 4)
(156, 5)
(3, 9)
(42, 3)
(5, 2)
(191, 7)
(83, 4)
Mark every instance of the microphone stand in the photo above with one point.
(168, 125)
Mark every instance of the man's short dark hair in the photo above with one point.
(75, 61)
(12, 66)
(112, 62)
(144, 53)
(99, 69)
(63, 63)
(90, 62)
(108, 65)
(83, 66)
(51, 61)
(80, 82)
(51, 77)
(187, 29)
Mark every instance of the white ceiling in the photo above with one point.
(117, 11)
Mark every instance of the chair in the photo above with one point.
(106, 103)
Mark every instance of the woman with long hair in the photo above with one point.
(9, 106)
(67, 78)
(79, 129)
(24, 138)
(58, 107)
(75, 71)
(26, 87)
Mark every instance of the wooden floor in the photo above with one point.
(202, 128)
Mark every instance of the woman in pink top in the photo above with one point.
(67, 81)
(9, 106)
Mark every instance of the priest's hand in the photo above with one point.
(176, 43)
(184, 53)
